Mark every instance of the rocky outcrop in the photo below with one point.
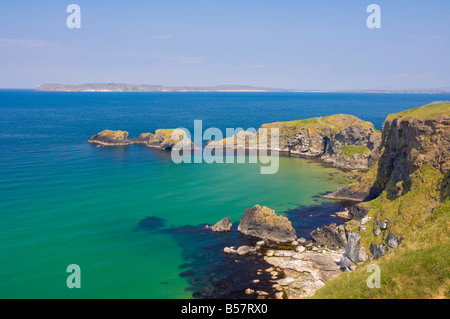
(330, 236)
(304, 272)
(163, 139)
(263, 223)
(341, 140)
(223, 225)
(352, 247)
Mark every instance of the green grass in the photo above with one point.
(418, 268)
(350, 150)
(425, 112)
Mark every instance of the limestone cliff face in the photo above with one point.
(162, 139)
(342, 140)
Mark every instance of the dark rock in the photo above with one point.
(392, 241)
(262, 222)
(223, 225)
(330, 235)
(346, 264)
(358, 212)
(352, 247)
(377, 250)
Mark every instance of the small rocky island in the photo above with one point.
(164, 139)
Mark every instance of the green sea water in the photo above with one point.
(89, 217)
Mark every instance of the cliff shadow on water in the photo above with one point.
(213, 274)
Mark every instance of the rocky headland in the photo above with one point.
(343, 141)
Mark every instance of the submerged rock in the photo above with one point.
(262, 222)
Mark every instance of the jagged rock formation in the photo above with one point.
(341, 140)
(262, 222)
(162, 139)
(223, 225)
(330, 236)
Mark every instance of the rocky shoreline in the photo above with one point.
(297, 267)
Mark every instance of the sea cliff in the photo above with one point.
(403, 223)
(341, 140)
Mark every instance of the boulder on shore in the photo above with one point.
(262, 222)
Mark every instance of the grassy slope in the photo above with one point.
(418, 268)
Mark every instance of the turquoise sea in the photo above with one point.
(131, 218)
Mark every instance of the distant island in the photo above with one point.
(123, 87)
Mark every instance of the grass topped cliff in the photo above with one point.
(425, 112)
(332, 123)
(410, 184)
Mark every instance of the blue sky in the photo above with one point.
(283, 44)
